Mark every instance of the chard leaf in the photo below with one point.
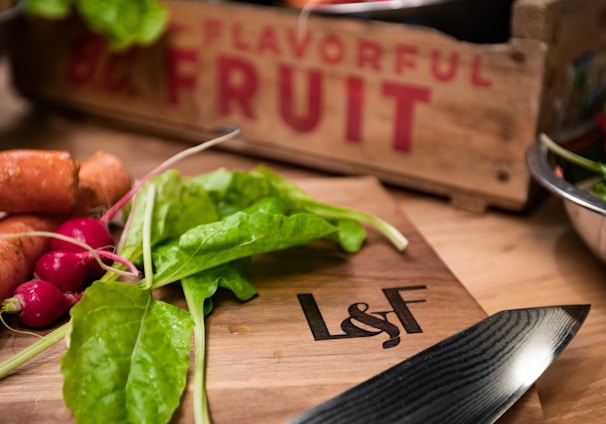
(350, 236)
(238, 236)
(233, 279)
(271, 205)
(231, 276)
(304, 202)
(124, 22)
(255, 233)
(233, 191)
(199, 289)
(178, 206)
(236, 190)
(198, 292)
(128, 356)
(48, 9)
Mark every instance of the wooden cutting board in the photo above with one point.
(323, 321)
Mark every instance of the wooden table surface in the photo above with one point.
(506, 260)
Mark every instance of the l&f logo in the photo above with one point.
(375, 322)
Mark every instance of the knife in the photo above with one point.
(471, 377)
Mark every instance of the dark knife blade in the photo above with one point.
(471, 377)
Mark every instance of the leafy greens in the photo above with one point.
(122, 22)
(128, 354)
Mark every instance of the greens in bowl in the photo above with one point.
(578, 179)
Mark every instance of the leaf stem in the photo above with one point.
(579, 160)
(132, 274)
(392, 233)
(201, 415)
(33, 350)
(109, 214)
(147, 218)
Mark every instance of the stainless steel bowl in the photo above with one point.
(587, 212)
(477, 21)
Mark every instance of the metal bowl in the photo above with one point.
(587, 212)
(477, 21)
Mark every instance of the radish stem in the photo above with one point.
(131, 275)
(111, 212)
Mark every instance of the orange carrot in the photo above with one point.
(18, 255)
(103, 180)
(38, 181)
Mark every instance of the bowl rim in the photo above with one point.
(541, 170)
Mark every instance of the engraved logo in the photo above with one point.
(364, 323)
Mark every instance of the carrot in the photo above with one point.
(38, 181)
(103, 180)
(18, 255)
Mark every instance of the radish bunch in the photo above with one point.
(61, 273)
(76, 250)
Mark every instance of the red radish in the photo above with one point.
(66, 270)
(85, 230)
(88, 231)
(72, 298)
(94, 271)
(36, 303)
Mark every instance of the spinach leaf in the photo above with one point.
(50, 9)
(232, 277)
(199, 289)
(128, 356)
(123, 23)
(233, 191)
(237, 236)
(178, 206)
(304, 202)
(198, 292)
(350, 235)
(236, 190)
(255, 233)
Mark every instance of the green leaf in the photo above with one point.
(351, 235)
(198, 290)
(236, 190)
(49, 9)
(255, 233)
(231, 276)
(233, 191)
(128, 356)
(124, 22)
(237, 236)
(303, 201)
(271, 205)
(178, 206)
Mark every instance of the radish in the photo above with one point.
(37, 303)
(72, 298)
(90, 232)
(66, 270)
(84, 229)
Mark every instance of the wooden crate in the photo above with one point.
(409, 104)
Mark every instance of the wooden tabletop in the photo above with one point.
(506, 260)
